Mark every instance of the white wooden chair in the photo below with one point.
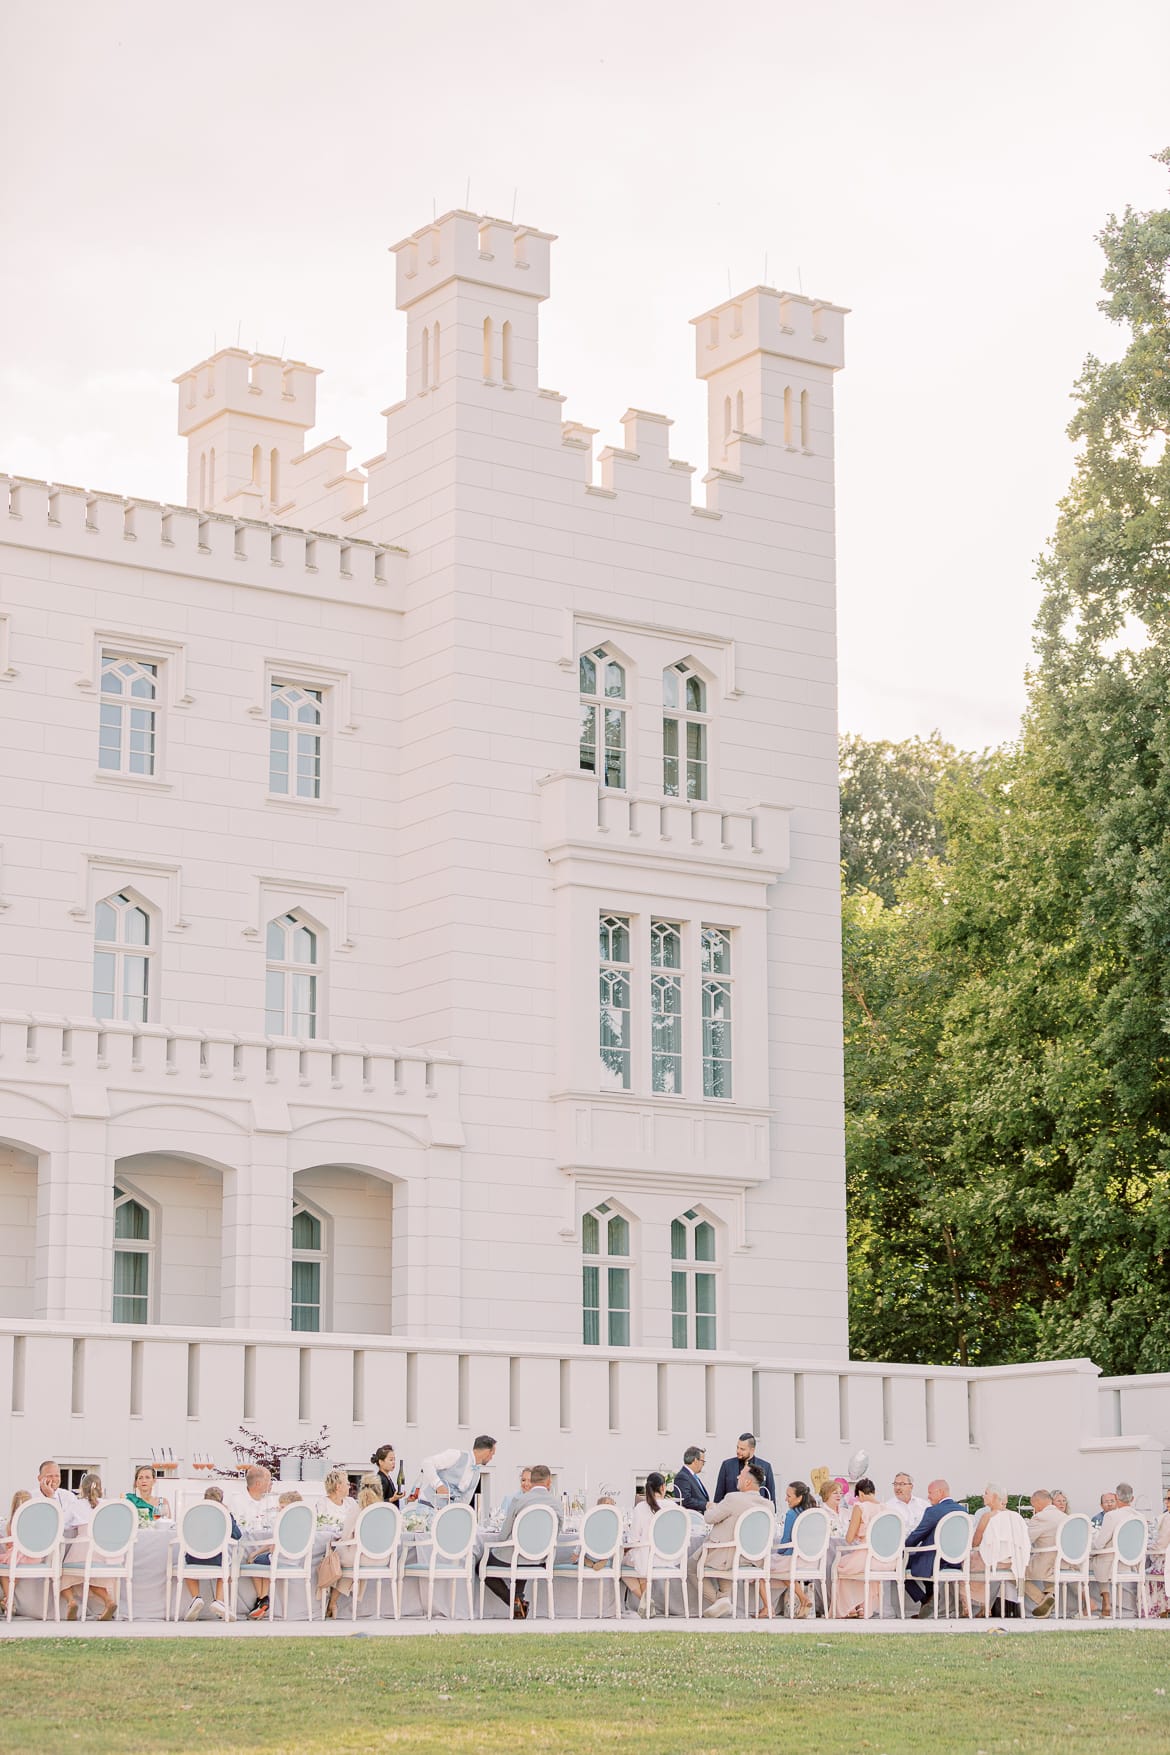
(291, 1557)
(35, 1533)
(451, 1557)
(751, 1548)
(601, 1541)
(1126, 1554)
(884, 1562)
(113, 1531)
(1074, 1553)
(809, 1559)
(669, 1543)
(375, 1546)
(534, 1552)
(952, 1559)
(201, 1550)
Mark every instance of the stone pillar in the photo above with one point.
(427, 1293)
(257, 1238)
(75, 1227)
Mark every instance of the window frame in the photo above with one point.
(686, 1270)
(683, 717)
(595, 705)
(125, 1194)
(712, 980)
(277, 682)
(123, 950)
(124, 705)
(289, 966)
(614, 974)
(604, 1264)
(318, 1257)
(666, 978)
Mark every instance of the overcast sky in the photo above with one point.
(175, 176)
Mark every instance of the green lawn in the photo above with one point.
(659, 1694)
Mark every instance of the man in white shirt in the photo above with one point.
(1103, 1538)
(450, 1477)
(49, 1487)
(254, 1506)
(906, 1504)
(1043, 1526)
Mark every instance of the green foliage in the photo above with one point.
(1008, 1001)
(889, 809)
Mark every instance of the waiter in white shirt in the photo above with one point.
(906, 1503)
(450, 1477)
(49, 1487)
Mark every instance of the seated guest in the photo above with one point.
(89, 1497)
(647, 1503)
(729, 1471)
(906, 1503)
(831, 1501)
(331, 1514)
(1112, 1519)
(1108, 1504)
(218, 1607)
(720, 1552)
(797, 1498)
(688, 1487)
(18, 1499)
(848, 1591)
(49, 1487)
(1157, 1602)
(999, 1546)
(451, 1477)
(521, 1493)
(1060, 1500)
(540, 1493)
(1045, 1522)
(369, 1493)
(385, 1461)
(253, 1505)
(920, 1543)
(143, 1496)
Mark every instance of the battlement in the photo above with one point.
(259, 385)
(764, 320)
(474, 247)
(212, 545)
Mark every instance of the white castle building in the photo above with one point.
(419, 917)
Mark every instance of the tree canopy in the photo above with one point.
(1007, 938)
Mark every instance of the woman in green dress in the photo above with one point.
(143, 1496)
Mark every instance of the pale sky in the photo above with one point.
(175, 176)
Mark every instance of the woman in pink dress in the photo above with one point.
(1158, 1603)
(848, 1590)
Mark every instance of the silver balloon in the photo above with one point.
(857, 1464)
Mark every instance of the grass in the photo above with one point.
(665, 1694)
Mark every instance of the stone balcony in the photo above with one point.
(92, 1058)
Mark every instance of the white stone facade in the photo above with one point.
(413, 1060)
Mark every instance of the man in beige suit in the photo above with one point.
(1045, 1521)
(722, 1518)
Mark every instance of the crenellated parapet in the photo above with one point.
(213, 545)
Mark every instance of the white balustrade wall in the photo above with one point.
(107, 1398)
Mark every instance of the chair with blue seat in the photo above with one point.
(377, 1538)
(599, 1560)
(1074, 1553)
(951, 1575)
(291, 1557)
(533, 1545)
(451, 1556)
(201, 1550)
(669, 1541)
(807, 1559)
(109, 1558)
(1126, 1555)
(35, 1535)
(750, 1547)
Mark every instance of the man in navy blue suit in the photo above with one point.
(921, 1540)
(687, 1485)
(745, 1451)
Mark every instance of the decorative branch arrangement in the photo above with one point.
(253, 1450)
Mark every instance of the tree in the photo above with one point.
(889, 812)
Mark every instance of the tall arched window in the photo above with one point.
(210, 501)
(122, 955)
(805, 422)
(506, 353)
(202, 480)
(257, 465)
(666, 1008)
(788, 414)
(435, 357)
(274, 476)
(603, 717)
(292, 980)
(425, 374)
(614, 1006)
(727, 417)
(308, 1269)
(715, 968)
(693, 1281)
(294, 740)
(487, 347)
(739, 411)
(684, 732)
(128, 724)
(605, 1277)
(133, 1251)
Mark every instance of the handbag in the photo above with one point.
(329, 1571)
